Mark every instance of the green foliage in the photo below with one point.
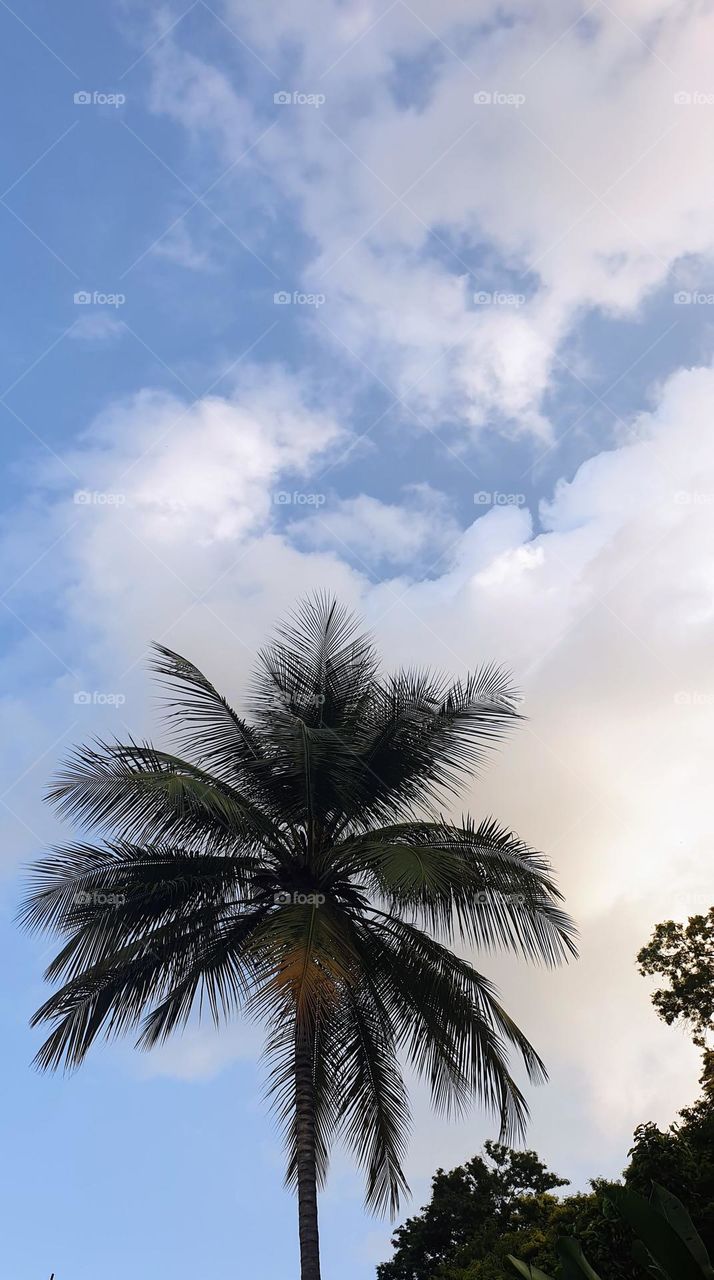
(479, 1201)
(482, 1212)
(573, 1264)
(293, 865)
(468, 1233)
(544, 1221)
(491, 1207)
(667, 1246)
(684, 955)
(680, 1158)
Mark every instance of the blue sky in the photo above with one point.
(527, 477)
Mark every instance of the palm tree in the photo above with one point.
(293, 866)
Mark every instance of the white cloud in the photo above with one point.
(587, 195)
(198, 95)
(201, 470)
(201, 1052)
(96, 326)
(560, 199)
(605, 617)
(178, 246)
(377, 532)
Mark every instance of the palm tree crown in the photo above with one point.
(293, 865)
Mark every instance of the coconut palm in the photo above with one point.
(292, 865)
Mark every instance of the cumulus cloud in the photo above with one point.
(201, 1052)
(550, 189)
(420, 529)
(96, 326)
(457, 244)
(604, 615)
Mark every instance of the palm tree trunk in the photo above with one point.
(306, 1164)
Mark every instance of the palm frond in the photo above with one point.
(146, 794)
(204, 724)
(140, 882)
(450, 1022)
(480, 883)
(318, 667)
(375, 1119)
(162, 972)
(423, 737)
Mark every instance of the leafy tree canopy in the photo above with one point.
(480, 1200)
(683, 954)
(489, 1208)
(681, 1158)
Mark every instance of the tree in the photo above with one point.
(666, 1245)
(478, 1216)
(682, 1159)
(684, 955)
(583, 1217)
(488, 1209)
(471, 1205)
(293, 865)
(469, 1228)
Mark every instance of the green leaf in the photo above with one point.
(660, 1238)
(528, 1272)
(674, 1211)
(575, 1264)
(644, 1259)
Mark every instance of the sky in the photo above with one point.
(412, 301)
